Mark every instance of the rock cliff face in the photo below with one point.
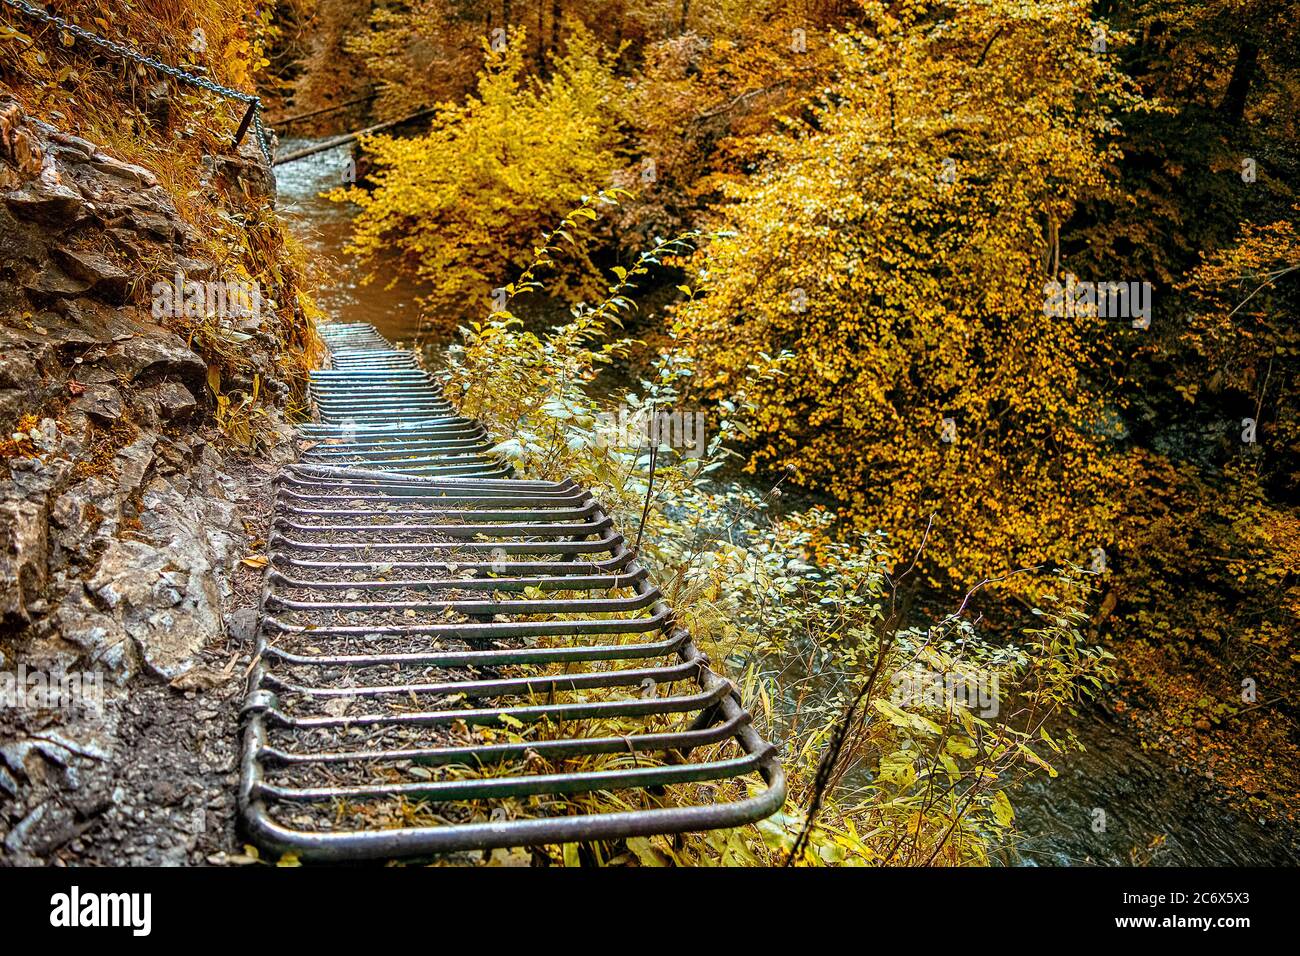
(120, 518)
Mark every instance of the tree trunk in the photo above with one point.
(557, 14)
(1243, 75)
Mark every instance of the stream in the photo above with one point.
(1154, 812)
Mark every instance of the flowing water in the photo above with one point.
(1113, 804)
(388, 302)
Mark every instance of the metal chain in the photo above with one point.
(254, 102)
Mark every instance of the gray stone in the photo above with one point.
(191, 268)
(128, 172)
(174, 401)
(16, 370)
(246, 173)
(51, 203)
(163, 595)
(115, 541)
(94, 375)
(156, 352)
(100, 401)
(242, 625)
(99, 635)
(19, 241)
(49, 279)
(133, 462)
(102, 276)
(24, 558)
(83, 148)
(47, 827)
(159, 223)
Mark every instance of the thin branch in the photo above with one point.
(1273, 277)
(831, 757)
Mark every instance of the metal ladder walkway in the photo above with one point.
(451, 659)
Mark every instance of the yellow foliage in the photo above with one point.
(462, 203)
(899, 245)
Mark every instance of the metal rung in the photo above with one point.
(449, 658)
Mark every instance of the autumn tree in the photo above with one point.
(706, 97)
(422, 53)
(418, 53)
(1210, 587)
(463, 203)
(1204, 590)
(325, 74)
(898, 242)
(1223, 147)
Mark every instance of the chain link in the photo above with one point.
(253, 102)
